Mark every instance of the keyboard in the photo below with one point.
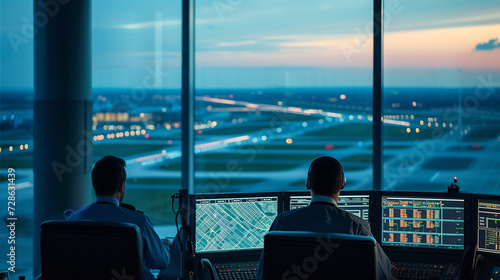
(237, 271)
(421, 271)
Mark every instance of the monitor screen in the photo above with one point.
(424, 222)
(356, 204)
(488, 226)
(233, 223)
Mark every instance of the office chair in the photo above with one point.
(81, 250)
(318, 256)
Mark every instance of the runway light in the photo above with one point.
(421, 122)
(304, 124)
(279, 129)
(146, 135)
(342, 96)
(142, 115)
(25, 146)
(132, 133)
(417, 130)
(126, 133)
(329, 147)
(408, 130)
(10, 148)
(289, 141)
(414, 104)
(169, 142)
(199, 131)
(21, 147)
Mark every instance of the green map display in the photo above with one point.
(233, 223)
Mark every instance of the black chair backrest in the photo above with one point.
(319, 256)
(91, 250)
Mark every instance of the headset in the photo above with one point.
(308, 179)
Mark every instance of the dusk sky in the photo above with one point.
(279, 43)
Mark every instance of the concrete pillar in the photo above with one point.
(62, 111)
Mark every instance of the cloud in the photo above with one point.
(490, 45)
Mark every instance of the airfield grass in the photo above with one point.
(197, 181)
(292, 147)
(16, 162)
(363, 131)
(121, 150)
(235, 165)
(249, 157)
(154, 203)
(448, 163)
(359, 158)
(237, 129)
(481, 134)
(391, 147)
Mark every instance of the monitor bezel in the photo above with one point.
(467, 220)
(194, 197)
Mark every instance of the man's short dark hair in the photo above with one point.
(325, 176)
(108, 175)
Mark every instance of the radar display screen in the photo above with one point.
(233, 223)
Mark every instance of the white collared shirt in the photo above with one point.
(323, 198)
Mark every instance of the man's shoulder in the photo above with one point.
(96, 211)
(357, 220)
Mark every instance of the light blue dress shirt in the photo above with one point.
(105, 208)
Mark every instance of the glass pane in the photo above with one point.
(442, 80)
(136, 99)
(16, 130)
(278, 84)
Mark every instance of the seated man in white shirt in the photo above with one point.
(108, 180)
(325, 180)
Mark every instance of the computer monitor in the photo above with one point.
(423, 221)
(357, 203)
(233, 222)
(488, 225)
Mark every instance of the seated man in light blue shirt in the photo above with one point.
(325, 179)
(108, 180)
